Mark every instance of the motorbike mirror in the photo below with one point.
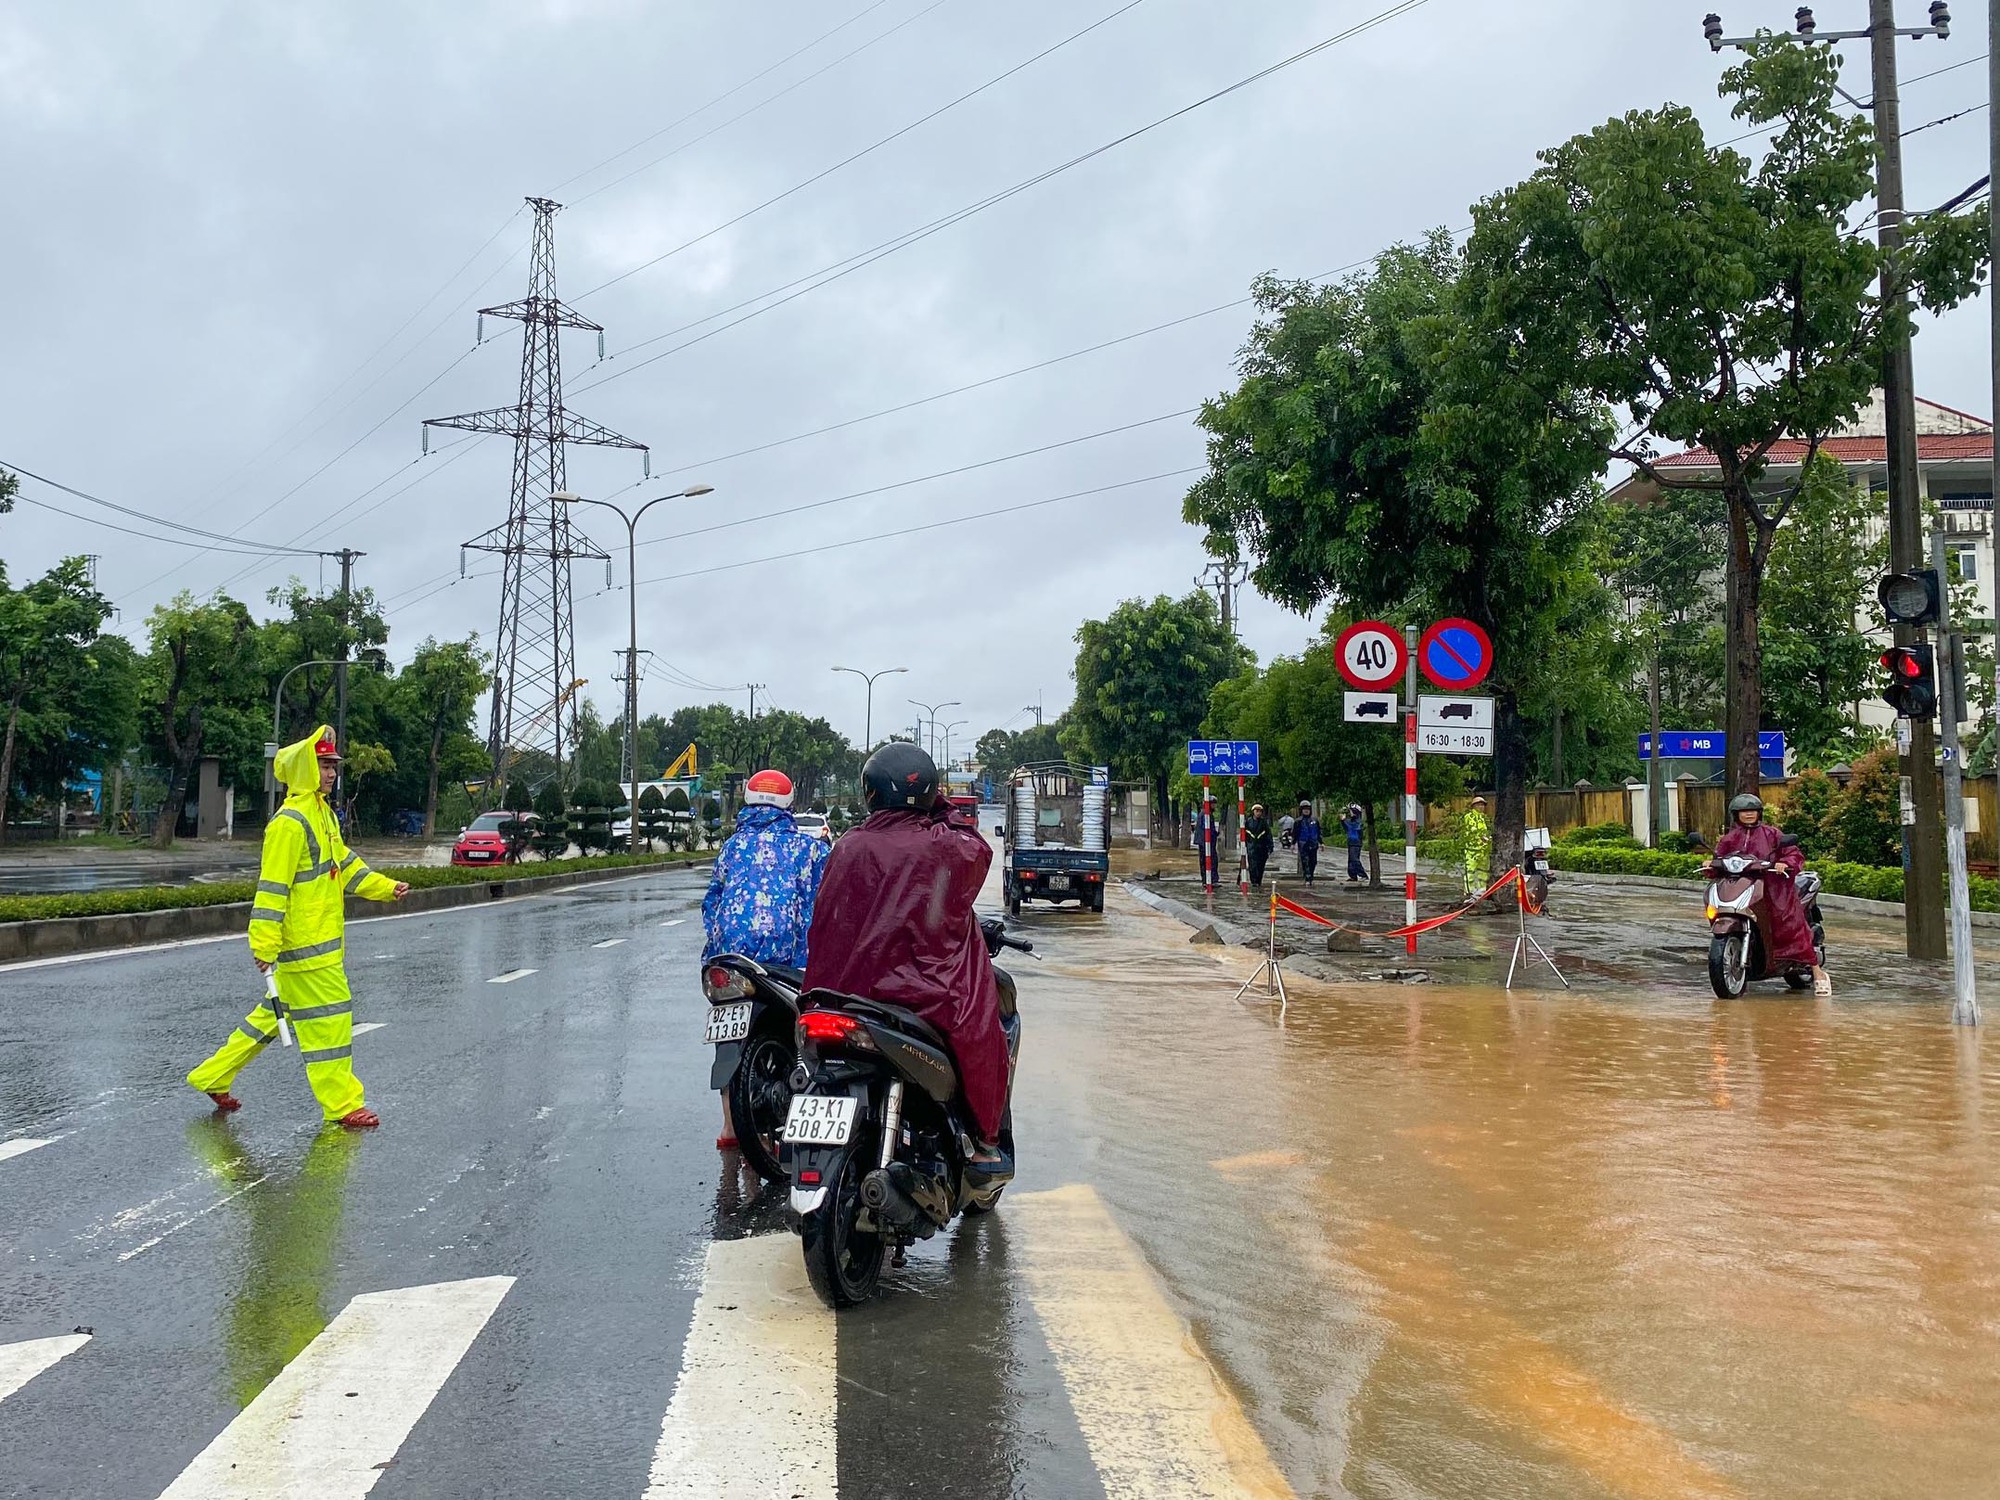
(1788, 841)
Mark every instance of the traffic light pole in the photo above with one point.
(1965, 998)
(1923, 886)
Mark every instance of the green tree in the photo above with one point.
(1865, 824)
(517, 830)
(324, 627)
(1143, 678)
(1808, 812)
(203, 690)
(48, 633)
(1663, 556)
(1718, 301)
(1380, 451)
(551, 839)
(438, 692)
(654, 824)
(590, 818)
(10, 485)
(1818, 662)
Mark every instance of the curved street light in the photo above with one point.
(868, 730)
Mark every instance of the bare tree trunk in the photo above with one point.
(1510, 783)
(1374, 853)
(431, 785)
(1742, 686)
(170, 810)
(7, 753)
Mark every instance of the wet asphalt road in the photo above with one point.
(1429, 1240)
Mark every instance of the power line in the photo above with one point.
(814, 280)
(1946, 119)
(126, 510)
(206, 546)
(903, 484)
(723, 125)
(883, 536)
(872, 147)
(726, 93)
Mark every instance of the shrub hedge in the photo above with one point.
(1871, 882)
(221, 893)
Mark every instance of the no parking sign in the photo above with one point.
(1455, 654)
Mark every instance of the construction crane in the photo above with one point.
(533, 727)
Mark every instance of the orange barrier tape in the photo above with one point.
(1299, 911)
(1429, 924)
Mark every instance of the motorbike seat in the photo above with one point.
(785, 974)
(880, 1010)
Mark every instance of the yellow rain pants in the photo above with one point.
(298, 923)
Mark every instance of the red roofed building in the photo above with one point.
(1954, 470)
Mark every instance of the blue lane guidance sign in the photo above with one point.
(1223, 758)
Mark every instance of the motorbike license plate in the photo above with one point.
(727, 1023)
(1059, 882)
(820, 1119)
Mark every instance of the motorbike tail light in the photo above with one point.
(833, 1027)
(808, 1179)
(719, 983)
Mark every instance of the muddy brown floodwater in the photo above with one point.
(1450, 1241)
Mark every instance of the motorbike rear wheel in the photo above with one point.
(760, 1094)
(843, 1263)
(1728, 964)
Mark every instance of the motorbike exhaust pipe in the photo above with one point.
(887, 1200)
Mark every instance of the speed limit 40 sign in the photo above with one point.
(1370, 654)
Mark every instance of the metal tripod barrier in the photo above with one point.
(1526, 939)
(1269, 971)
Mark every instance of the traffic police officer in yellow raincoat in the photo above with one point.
(296, 927)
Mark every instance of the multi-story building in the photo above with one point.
(1954, 471)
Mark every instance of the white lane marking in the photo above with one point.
(754, 1413)
(676, 922)
(330, 1423)
(369, 1026)
(21, 1145)
(391, 916)
(1157, 1418)
(21, 1363)
(200, 1213)
(608, 943)
(511, 975)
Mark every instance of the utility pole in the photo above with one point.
(1656, 778)
(1965, 1003)
(1993, 350)
(346, 556)
(755, 688)
(1224, 576)
(1923, 887)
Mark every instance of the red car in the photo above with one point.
(484, 844)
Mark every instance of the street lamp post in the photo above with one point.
(954, 724)
(631, 521)
(868, 724)
(277, 708)
(932, 710)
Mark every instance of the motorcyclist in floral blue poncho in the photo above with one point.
(760, 898)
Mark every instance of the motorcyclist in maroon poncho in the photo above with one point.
(1789, 931)
(894, 921)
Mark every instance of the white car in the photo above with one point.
(814, 824)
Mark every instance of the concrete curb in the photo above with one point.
(57, 936)
(1181, 912)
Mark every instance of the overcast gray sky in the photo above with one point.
(246, 242)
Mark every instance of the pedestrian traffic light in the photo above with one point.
(1912, 689)
(1912, 598)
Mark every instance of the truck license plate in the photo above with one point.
(820, 1119)
(1059, 882)
(727, 1023)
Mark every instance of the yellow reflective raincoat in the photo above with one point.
(298, 923)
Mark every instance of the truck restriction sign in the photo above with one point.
(1370, 654)
(1454, 726)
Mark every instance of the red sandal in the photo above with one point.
(226, 1103)
(360, 1119)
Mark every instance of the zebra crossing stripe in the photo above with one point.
(367, 1026)
(20, 1145)
(755, 1411)
(328, 1425)
(1158, 1420)
(21, 1363)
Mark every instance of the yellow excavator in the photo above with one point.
(684, 765)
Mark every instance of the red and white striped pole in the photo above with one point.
(1206, 839)
(1410, 786)
(1242, 845)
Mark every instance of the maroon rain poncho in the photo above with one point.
(1789, 934)
(894, 921)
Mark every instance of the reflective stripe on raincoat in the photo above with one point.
(298, 917)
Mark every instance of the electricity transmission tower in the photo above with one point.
(534, 650)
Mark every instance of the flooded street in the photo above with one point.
(1616, 1241)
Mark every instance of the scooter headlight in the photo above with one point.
(1711, 911)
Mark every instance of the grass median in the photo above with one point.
(223, 892)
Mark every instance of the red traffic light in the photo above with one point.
(1912, 690)
(1901, 661)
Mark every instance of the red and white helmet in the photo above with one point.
(768, 789)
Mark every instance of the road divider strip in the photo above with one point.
(329, 1425)
(608, 943)
(1157, 1418)
(755, 1412)
(22, 1362)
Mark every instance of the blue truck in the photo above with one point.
(1056, 839)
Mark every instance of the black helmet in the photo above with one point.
(900, 774)
(1745, 802)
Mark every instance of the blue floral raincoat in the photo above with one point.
(760, 901)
